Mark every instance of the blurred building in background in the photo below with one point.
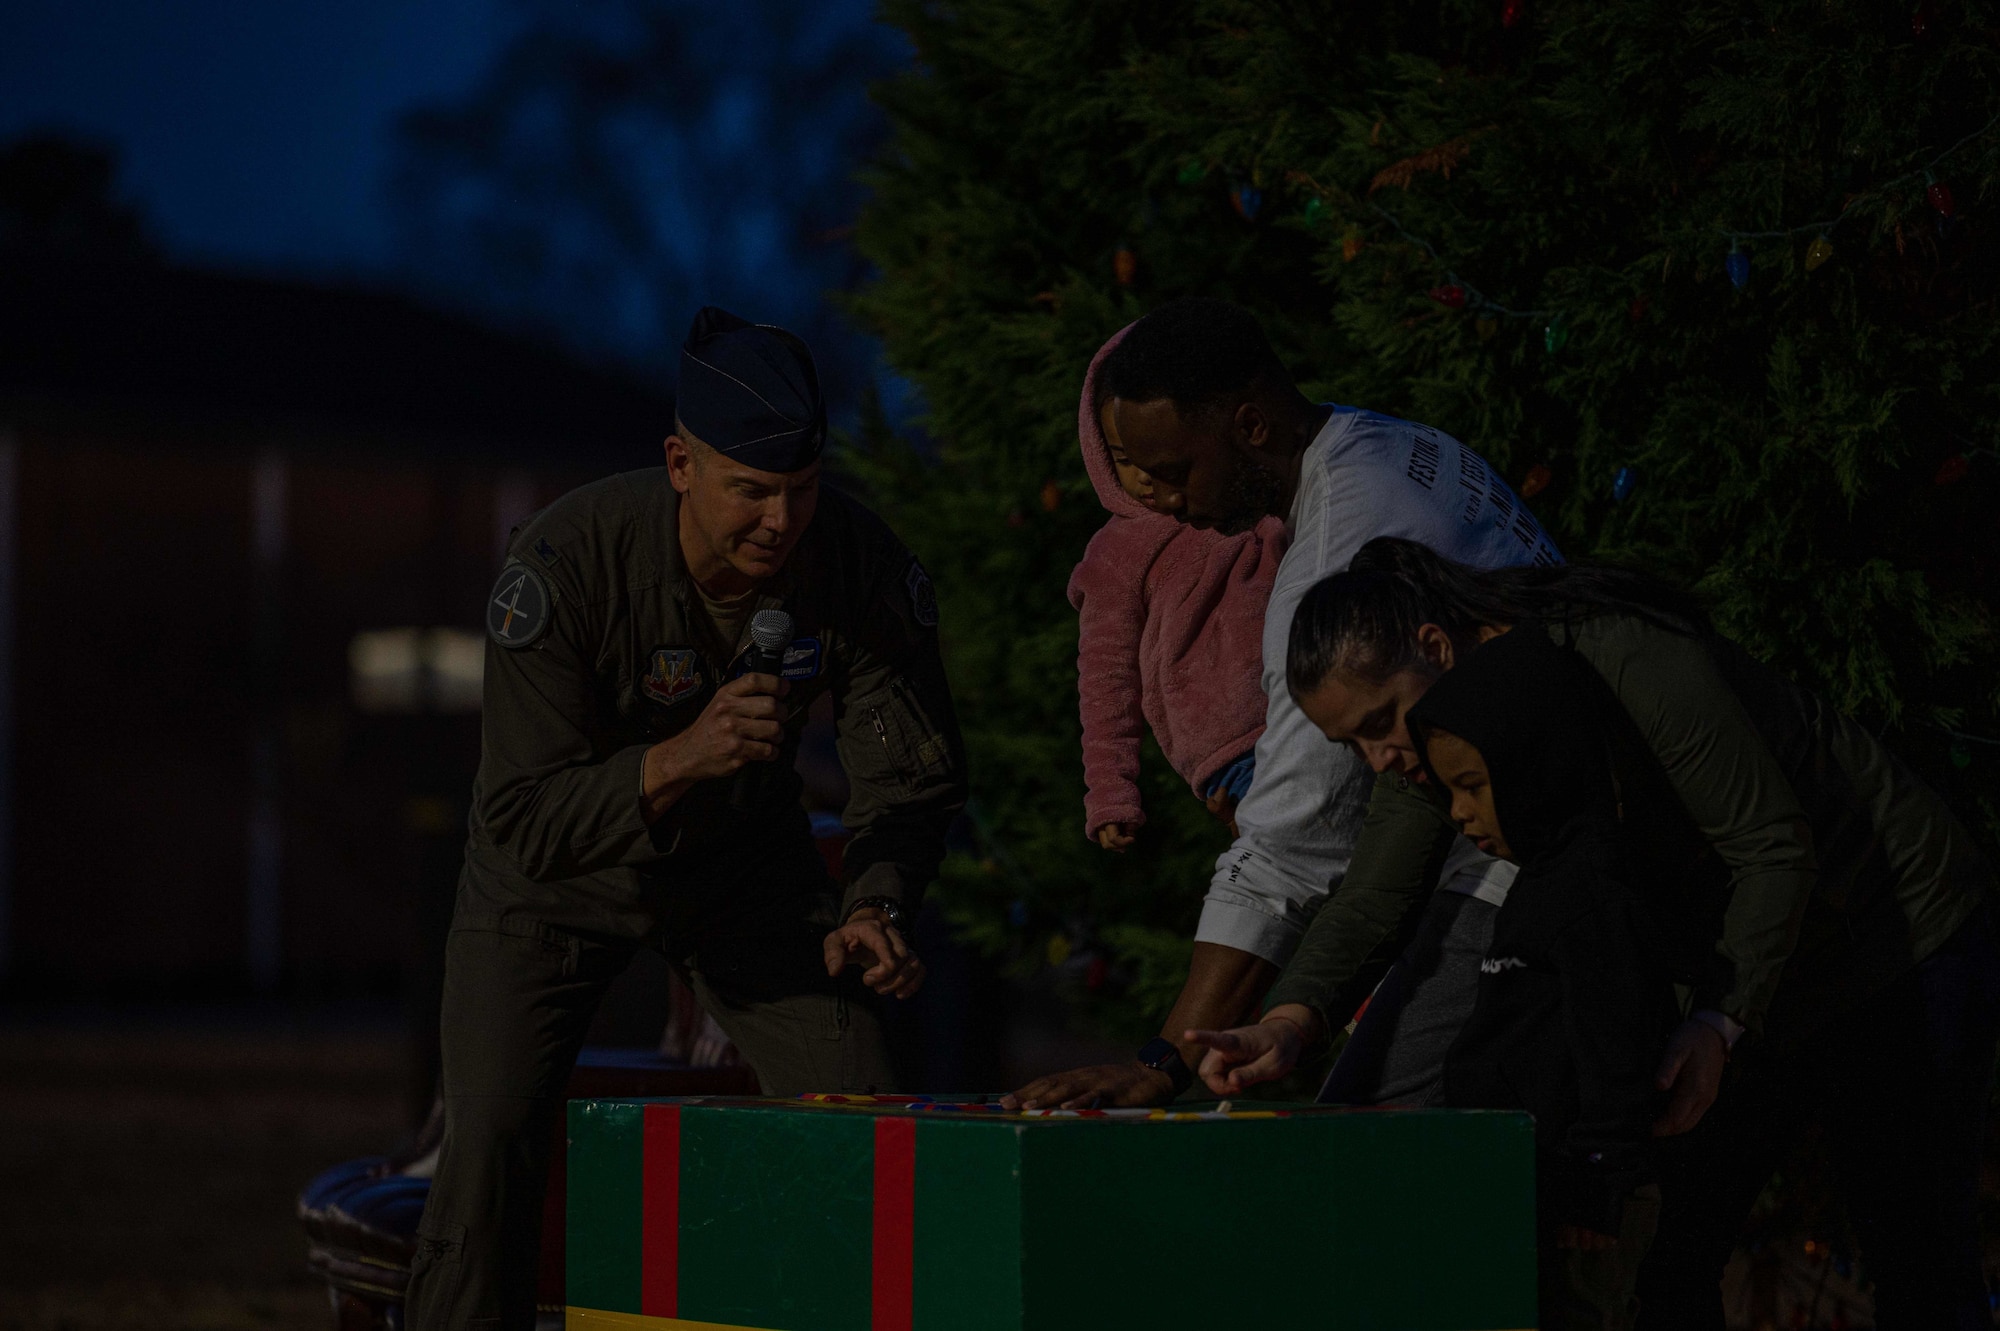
(246, 531)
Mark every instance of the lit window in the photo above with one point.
(417, 670)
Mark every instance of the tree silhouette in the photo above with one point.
(56, 200)
(627, 162)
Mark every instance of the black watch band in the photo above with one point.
(887, 905)
(1163, 1055)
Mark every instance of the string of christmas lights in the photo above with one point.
(1962, 742)
(1458, 294)
(1455, 292)
(1936, 192)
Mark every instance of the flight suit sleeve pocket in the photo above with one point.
(906, 746)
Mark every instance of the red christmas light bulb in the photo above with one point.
(1452, 297)
(1511, 12)
(1939, 195)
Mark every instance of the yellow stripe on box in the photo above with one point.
(596, 1319)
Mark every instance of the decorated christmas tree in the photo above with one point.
(1714, 286)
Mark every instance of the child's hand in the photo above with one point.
(1117, 836)
(1578, 1239)
(1223, 805)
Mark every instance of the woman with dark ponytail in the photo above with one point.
(1366, 620)
(1778, 840)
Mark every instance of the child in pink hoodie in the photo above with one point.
(1171, 625)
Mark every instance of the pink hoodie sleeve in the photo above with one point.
(1106, 591)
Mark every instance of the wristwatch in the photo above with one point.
(1162, 1055)
(887, 905)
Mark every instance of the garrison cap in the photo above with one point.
(751, 392)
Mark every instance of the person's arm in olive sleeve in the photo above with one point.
(899, 743)
(1613, 1005)
(1738, 797)
(1404, 842)
(551, 802)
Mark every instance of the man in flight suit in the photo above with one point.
(636, 790)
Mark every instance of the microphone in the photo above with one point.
(770, 634)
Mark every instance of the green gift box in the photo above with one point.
(866, 1214)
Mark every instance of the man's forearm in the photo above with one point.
(1222, 989)
(662, 780)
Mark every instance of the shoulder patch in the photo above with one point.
(518, 608)
(546, 552)
(923, 596)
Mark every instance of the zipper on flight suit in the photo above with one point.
(882, 734)
(911, 765)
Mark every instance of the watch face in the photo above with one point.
(883, 904)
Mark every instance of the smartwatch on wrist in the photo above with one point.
(888, 906)
(1162, 1055)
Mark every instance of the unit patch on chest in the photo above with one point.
(673, 674)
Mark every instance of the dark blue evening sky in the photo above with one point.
(251, 132)
(709, 168)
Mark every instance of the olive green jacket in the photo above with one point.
(1777, 839)
(556, 831)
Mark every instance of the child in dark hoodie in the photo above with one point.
(1170, 635)
(1574, 1003)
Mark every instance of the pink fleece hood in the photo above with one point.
(1097, 449)
(1170, 634)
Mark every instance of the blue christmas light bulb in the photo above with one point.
(1624, 483)
(1248, 199)
(1738, 264)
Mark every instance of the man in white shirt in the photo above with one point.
(1196, 398)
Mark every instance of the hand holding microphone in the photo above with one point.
(744, 723)
(763, 674)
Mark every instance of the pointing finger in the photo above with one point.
(1223, 1042)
